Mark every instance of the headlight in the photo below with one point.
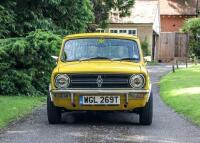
(137, 81)
(62, 81)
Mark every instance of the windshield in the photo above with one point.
(109, 49)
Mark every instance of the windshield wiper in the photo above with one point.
(99, 58)
(125, 59)
(72, 60)
(94, 58)
(86, 59)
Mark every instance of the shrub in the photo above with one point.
(26, 63)
(192, 26)
(145, 47)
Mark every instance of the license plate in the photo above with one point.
(99, 100)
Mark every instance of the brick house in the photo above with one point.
(144, 21)
(173, 13)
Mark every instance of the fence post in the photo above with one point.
(195, 60)
(186, 62)
(173, 68)
(176, 63)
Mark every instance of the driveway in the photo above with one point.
(167, 127)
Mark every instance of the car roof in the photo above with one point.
(104, 35)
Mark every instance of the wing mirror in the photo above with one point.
(55, 58)
(147, 59)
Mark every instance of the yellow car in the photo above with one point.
(100, 72)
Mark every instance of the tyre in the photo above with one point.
(146, 113)
(53, 113)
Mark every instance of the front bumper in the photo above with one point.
(72, 93)
(100, 91)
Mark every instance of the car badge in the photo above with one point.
(99, 81)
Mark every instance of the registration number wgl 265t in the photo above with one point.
(99, 100)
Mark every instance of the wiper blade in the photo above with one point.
(94, 58)
(125, 59)
(72, 60)
(85, 59)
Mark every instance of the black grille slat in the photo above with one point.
(90, 81)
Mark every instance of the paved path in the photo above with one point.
(167, 127)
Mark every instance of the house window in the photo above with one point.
(123, 31)
(99, 30)
(132, 32)
(113, 31)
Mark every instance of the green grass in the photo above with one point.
(15, 107)
(181, 91)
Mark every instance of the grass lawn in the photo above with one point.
(15, 107)
(181, 91)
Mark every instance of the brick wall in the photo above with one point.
(172, 23)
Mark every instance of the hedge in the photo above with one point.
(26, 63)
(192, 26)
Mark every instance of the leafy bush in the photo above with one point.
(145, 47)
(6, 20)
(19, 17)
(26, 63)
(192, 26)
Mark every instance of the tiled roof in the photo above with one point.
(178, 7)
(144, 11)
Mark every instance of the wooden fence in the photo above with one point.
(171, 45)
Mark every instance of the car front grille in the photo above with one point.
(99, 81)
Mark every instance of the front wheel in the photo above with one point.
(53, 113)
(146, 113)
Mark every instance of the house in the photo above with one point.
(174, 44)
(173, 13)
(143, 21)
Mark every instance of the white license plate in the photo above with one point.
(99, 100)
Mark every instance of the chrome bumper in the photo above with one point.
(98, 91)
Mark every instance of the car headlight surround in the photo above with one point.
(62, 81)
(137, 81)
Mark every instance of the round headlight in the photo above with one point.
(62, 81)
(137, 81)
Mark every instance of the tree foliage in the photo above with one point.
(7, 18)
(145, 47)
(19, 17)
(26, 63)
(101, 9)
(192, 26)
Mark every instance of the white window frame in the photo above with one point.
(127, 30)
(113, 30)
(100, 30)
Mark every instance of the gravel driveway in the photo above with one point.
(167, 127)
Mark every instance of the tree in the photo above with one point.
(61, 16)
(192, 26)
(7, 18)
(19, 17)
(101, 9)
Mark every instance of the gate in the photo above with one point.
(172, 45)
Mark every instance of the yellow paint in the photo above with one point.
(101, 66)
